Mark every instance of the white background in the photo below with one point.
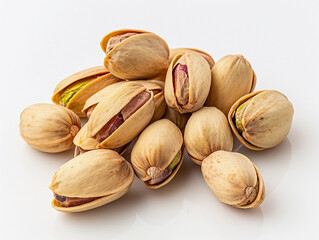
(43, 42)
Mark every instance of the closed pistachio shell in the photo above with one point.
(207, 131)
(49, 128)
(155, 149)
(266, 119)
(178, 119)
(101, 174)
(174, 51)
(108, 110)
(139, 55)
(187, 82)
(232, 78)
(234, 179)
(73, 91)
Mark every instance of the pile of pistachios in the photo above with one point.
(166, 101)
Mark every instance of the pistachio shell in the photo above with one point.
(48, 127)
(266, 120)
(233, 179)
(232, 78)
(106, 109)
(199, 82)
(77, 150)
(207, 131)
(178, 119)
(99, 173)
(157, 146)
(99, 77)
(173, 52)
(142, 56)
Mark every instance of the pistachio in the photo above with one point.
(135, 54)
(187, 82)
(118, 118)
(178, 119)
(48, 127)
(207, 131)
(158, 153)
(232, 78)
(73, 91)
(233, 179)
(91, 180)
(261, 119)
(120, 150)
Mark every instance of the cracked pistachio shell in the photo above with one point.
(174, 51)
(199, 78)
(266, 119)
(233, 179)
(100, 173)
(142, 56)
(157, 146)
(98, 77)
(178, 119)
(48, 127)
(207, 131)
(110, 106)
(232, 78)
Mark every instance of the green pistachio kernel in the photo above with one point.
(175, 161)
(71, 91)
(239, 115)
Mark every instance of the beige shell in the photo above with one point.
(174, 51)
(48, 127)
(233, 178)
(207, 131)
(267, 119)
(199, 83)
(99, 173)
(232, 78)
(178, 119)
(141, 56)
(100, 78)
(108, 107)
(78, 152)
(157, 146)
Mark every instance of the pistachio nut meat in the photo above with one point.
(135, 54)
(91, 180)
(178, 119)
(48, 127)
(118, 118)
(261, 119)
(233, 179)
(174, 51)
(73, 91)
(232, 78)
(187, 82)
(158, 153)
(207, 131)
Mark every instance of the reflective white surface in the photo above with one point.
(43, 42)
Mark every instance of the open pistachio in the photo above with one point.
(73, 91)
(232, 78)
(48, 127)
(120, 150)
(187, 82)
(118, 118)
(135, 54)
(178, 119)
(233, 179)
(207, 131)
(158, 153)
(261, 119)
(91, 180)
(173, 52)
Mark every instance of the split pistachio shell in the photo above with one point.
(120, 150)
(234, 179)
(156, 148)
(48, 127)
(73, 91)
(173, 52)
(232, 78)
(194, 91)
(109, 107)
(178, 119)
(266, 119)
(207, 131)
(100, 173)
(140, 56)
